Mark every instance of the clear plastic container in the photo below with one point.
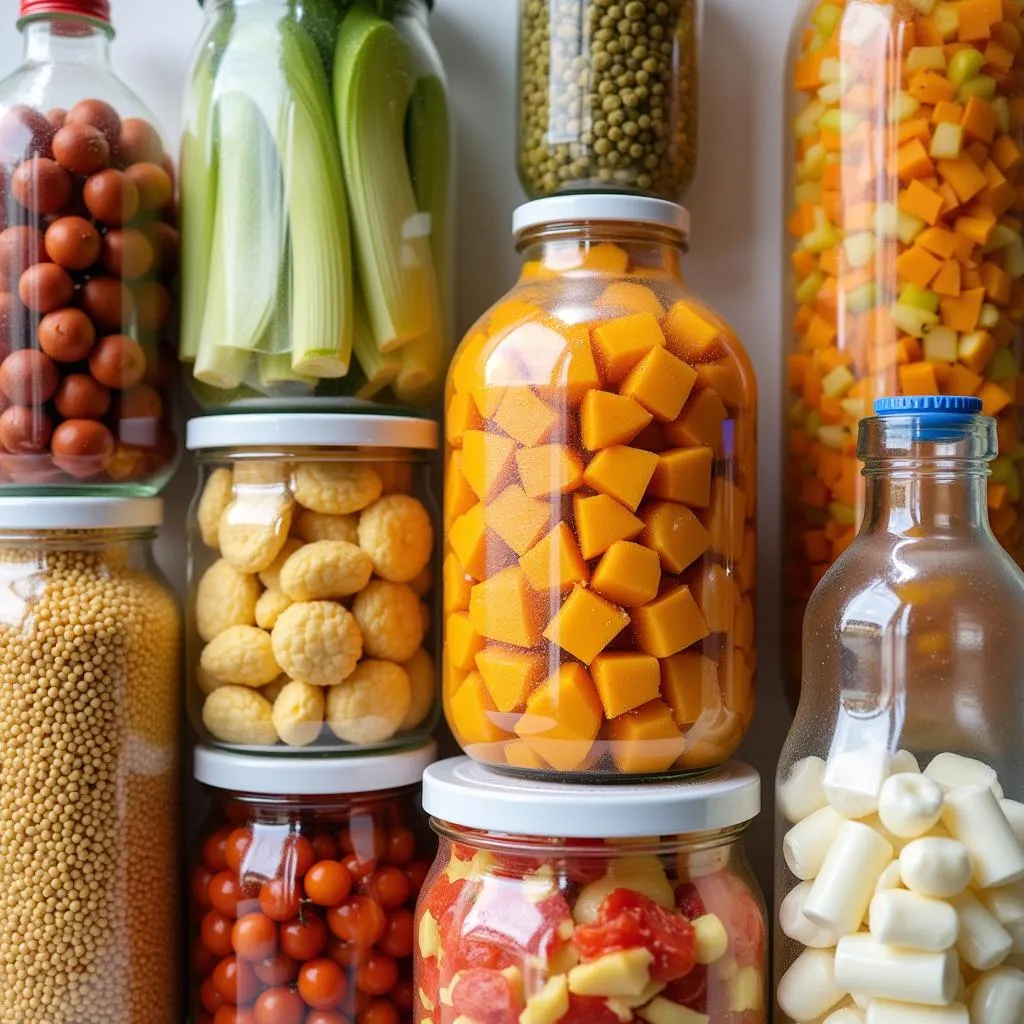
(608, 96)
(906, 260)
(314, 583)
(600, 507)
(88, 258)
(303, 889)
(89, 699)
(899, 782)
(316, 208)
(572, 904)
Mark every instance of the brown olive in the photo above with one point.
(24, 132)
(153, 306)
(24, 430)
(56, 117)
(108, 301)
(66, 335)
(80, 397)
(81, 447)
(127, 253)
(140, 403)
(118, 362)
(164, 240)
(156, 190)
(98, 114)
(81, 148)
(139, 143)
(73, 243)
(45, 287)
(20, 247)
(111, 197)
(42, 186)
(28, 377)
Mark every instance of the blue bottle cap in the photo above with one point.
(908, 405)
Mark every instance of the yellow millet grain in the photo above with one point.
(89, 737)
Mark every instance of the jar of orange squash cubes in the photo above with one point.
(906, 270)
(599, 507)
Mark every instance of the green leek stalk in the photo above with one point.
(381, 368)
(276, 375)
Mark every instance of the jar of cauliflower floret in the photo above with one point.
(313, 577)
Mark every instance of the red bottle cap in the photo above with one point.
(96, 9)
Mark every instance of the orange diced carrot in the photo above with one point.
(997, 283)
(942, 372)
(947, 112)
(918, 266)
(813, 492)
(993, 398)
(1008, 35)
(947, 281)
(979, 120)
(997, 495)
(798, 443)
(977, 18)
(949, 198)
(1008, 434)
(849, 481)
(962, 381)
(920, 201)
(812, 387)
(998, 197)
(977, 229)
(807, 76)
(828, 261)
(978, 152)
(917, 128)
(820, 333)
(908, 350)
(830, 465)
(832, 176)
(964, 250)
(802, 320)
(938, 241)
(918, 379)
(1004, 331)
(962, 312)
(963, 175)
(816, 545)
(859, 217)
(1006, 154)
(1002, 520)
(998, 56)
(913, 161)
(803, 263)
(796, 367)
(831, 410)
(929, 87)
(832, 204)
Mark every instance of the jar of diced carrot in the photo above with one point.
(599, 507)
(906, 269)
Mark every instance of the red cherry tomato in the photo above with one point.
(328, 882)
(214, 854)
(254, 937)
(400, 847)
(322, 984)
(380, 1011)
(326, 1017)
(215, 931)
(225, 892)
(486, 996)
(235, 981)
(389, 887)
(357, 868)
(344, 953)
(298, 856)
(397, 938)
(279, 969)
(304, 939)
(377, 974)
(234, 1015)
(203, 961)
(201, 878)
(236, 848)
(279, 1006)
(359, 920)
(211, 999)
(417, 873)
(402, 995)
(325, 846)
(279, 899)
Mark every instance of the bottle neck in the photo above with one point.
(62, 40)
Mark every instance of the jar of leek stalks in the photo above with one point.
(315, 208)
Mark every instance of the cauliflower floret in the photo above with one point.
(207, 682)
(259, 473)
(242, 655)
(271, 576)
(254, 528)
(423, 682)
(336, 487)
(299, 713)
(269, 608)
(389, 616)
(397, 534)
(422, 582)
(317, 642)
(314, 526)
(214, 500)
(225, 597)
(324, 569)
(371, 704)
(271, 690)
(236, 714)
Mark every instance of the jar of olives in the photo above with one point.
(608, 96)
(88, 257)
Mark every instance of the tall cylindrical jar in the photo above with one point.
(89, 699)
(316, 207)
(905, 269)
(901, 838)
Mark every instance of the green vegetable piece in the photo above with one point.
(981, 86)
(912, 295)
(1002, 366)
(826, 17)
(862, 299)
(964, 64)
(380, 368)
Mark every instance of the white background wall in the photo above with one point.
(736, 206)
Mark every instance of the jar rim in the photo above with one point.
(71, 512)
(601, 207)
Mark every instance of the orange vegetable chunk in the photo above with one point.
(669, 624)
(456, 585)
(471, 709)
(549, 469)
(725, 516)
(607, 419)
(717, 597)
(661, 383)
(487, 461)
(700, 422)
(621, 343)
(628, 295)
(555, 562)
(683, 474)
(502, 608)
(462, 640)
(519, 520)
(621, 472)
(509, 675)
(675, 533)
(461, 415)
(562, 719)
(647, 740)
(458, 495)
(525, 417)
(600, 522)
(690, 686)
(689, 335)
(585, 624)
(628, 574)
(625, 680)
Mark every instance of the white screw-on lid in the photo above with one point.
(67, 512)
(463, 792)
(315, 430)
(601, 206)
(310, 776)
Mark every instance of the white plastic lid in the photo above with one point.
(463, 792)
(601, 206)
(317, 430)
(310, 776)
(66, 512)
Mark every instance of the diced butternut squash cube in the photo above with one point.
(628, 574)
(525, 417)
(625, 680)
(460, 416)
(684, 475)
(690, 686)
(669, 624)
(561, 365)
(661, 383)
(725, 378)
(456, 585)
(471, 712)
(675, 533)
(503, 609)
(511, 312)
(466, 375)
(458, 495)
(621, 343)
(621, 472)
(509, 675)
(606, 258)
(600, 522)
(549, 469)
(743, 627)
(737, 682)
(468, 539)
(607, 419)
(724, 518)
(519, 755)
(487, 461)
(586, 624)
(631, 298)
(562, 719)
(554, 563)
(462, 640)
(519, 520)
(717, 597)
(700, 422)
(646, 741)
(690, 336)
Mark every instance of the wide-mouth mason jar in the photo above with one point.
(314, 583)
(572, 904)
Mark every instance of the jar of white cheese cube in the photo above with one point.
(900, 875)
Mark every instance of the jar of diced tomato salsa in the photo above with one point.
(599, 507)
(304, 886)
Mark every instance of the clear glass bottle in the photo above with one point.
(316, 208)
(908, 729)
(88, 259)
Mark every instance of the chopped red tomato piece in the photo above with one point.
(588, 1010)
(487, 997)
(689, 902)
(728, 896)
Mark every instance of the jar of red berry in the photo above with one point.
(552, 903)
(304, 887)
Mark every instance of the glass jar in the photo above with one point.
(88, 256)
(89, 698)
(608, 96)
(313, 568)
(303, 888)
(897, 786)
(604, 906)
(316, 207)
(599, 507)
(905, 252)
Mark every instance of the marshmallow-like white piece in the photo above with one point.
(881, 1011)
(853, 780)
(1016, 930)
(1005, 903)
(997, 997)
(890, 878)
(951, 771)
(808, 989)
(909, 805)
(871, 969)
(940, 868)
(860, 1001)
(841, 892)
(795, 924)
(802, 793)
(1014, 812)
(903, 762)
(901, 918)
(807, 843)
(847, 1015)
(972, 815)
(983, 942)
